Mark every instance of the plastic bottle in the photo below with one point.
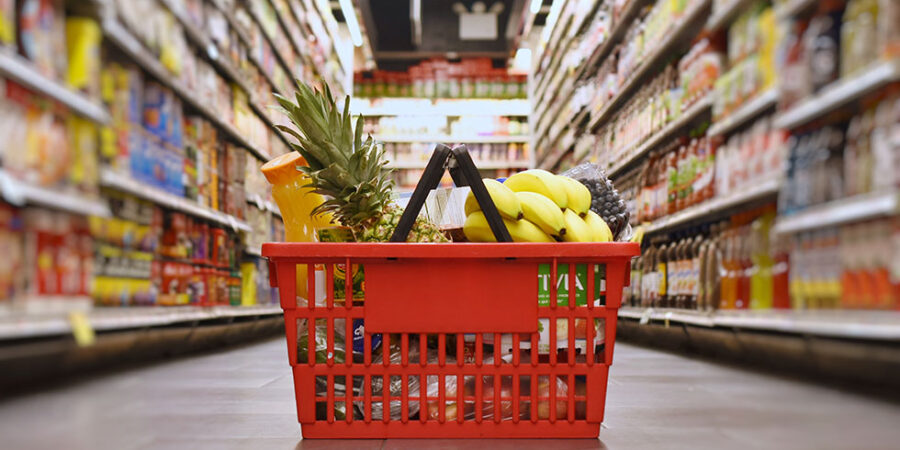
(728, 271)
(761, 274)
(296, 203)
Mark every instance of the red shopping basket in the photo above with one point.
(416, 294)
(459, 340)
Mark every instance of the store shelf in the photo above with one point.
(851, 209)
(263, 205)
(696, 110)
(680, 31)
(121, 37)
(725, 13)
(839, 93)
(745, 113)
(479, 164)
(423, 138)
(21, 193)
(848, 324)
(618, 32)
(269, 40)
(716, 205)
(123, 183)
(24, 73)
(789, 8)
(24, 326)
(439, 107)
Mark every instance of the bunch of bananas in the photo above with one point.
(538, 206)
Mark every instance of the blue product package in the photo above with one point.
(359, 341)
(155, 110)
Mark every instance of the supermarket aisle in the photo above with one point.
(242, 398)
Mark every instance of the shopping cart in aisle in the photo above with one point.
(456, 340)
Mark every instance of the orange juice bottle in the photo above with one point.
(296, 203)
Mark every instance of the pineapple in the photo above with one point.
(350, 172)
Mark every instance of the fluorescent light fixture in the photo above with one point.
(352, 24)
(555, 9)
(536, 6)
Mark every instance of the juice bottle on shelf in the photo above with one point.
(781, 296)
(760, 254)
(672, 182)
(700, 267)
(849, 268)
(884, 296)
(662, 274)
(296, 203)
(743, 268)
(728, 271)
(675, 273)
(697, 248)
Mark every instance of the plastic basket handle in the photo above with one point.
(464, 172)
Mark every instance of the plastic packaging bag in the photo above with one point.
(605, 199)
(395, 386)
(488, 407)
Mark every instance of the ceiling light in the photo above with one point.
(352, 23)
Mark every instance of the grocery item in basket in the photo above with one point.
(605, 199)
(297, 202)
(541, 211)
(504, 199)
(477, 229)
(351, 172)
(395, 385)
(488, 407)
(540, 182)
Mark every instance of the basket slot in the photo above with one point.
(442, 350)
(348, 284)
(310, 286)
(349, 400)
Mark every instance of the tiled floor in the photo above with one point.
(243, 398)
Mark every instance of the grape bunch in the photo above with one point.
(607, 203)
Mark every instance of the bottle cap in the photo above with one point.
(283, 169)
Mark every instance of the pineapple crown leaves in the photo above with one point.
(341, 166)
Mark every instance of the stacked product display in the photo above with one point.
(754, 153)
(135, 134)
(470, 78)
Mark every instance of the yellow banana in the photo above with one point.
(477, 229)
(576, 229)
(525, 231)
(599, 228)
(542, 212)
(579, 197)
(539, 182)
(504, 199)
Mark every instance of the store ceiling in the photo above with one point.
(399, 41)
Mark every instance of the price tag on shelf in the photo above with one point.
(667, 317)
(645, 317)
(232, 222)
(82, 330)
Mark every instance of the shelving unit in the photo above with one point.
(696, 110)
(29, 326)
(439, 107)
(685, 28)
(479, 164)
(496, 139)
(122, 38)
(119, 182)
(746, 112)
(22, 71)
(718, 205)
(867, 325)
(839, 93)
(851, 209)
(22, 193)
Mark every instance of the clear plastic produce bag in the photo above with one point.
(605, 199)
